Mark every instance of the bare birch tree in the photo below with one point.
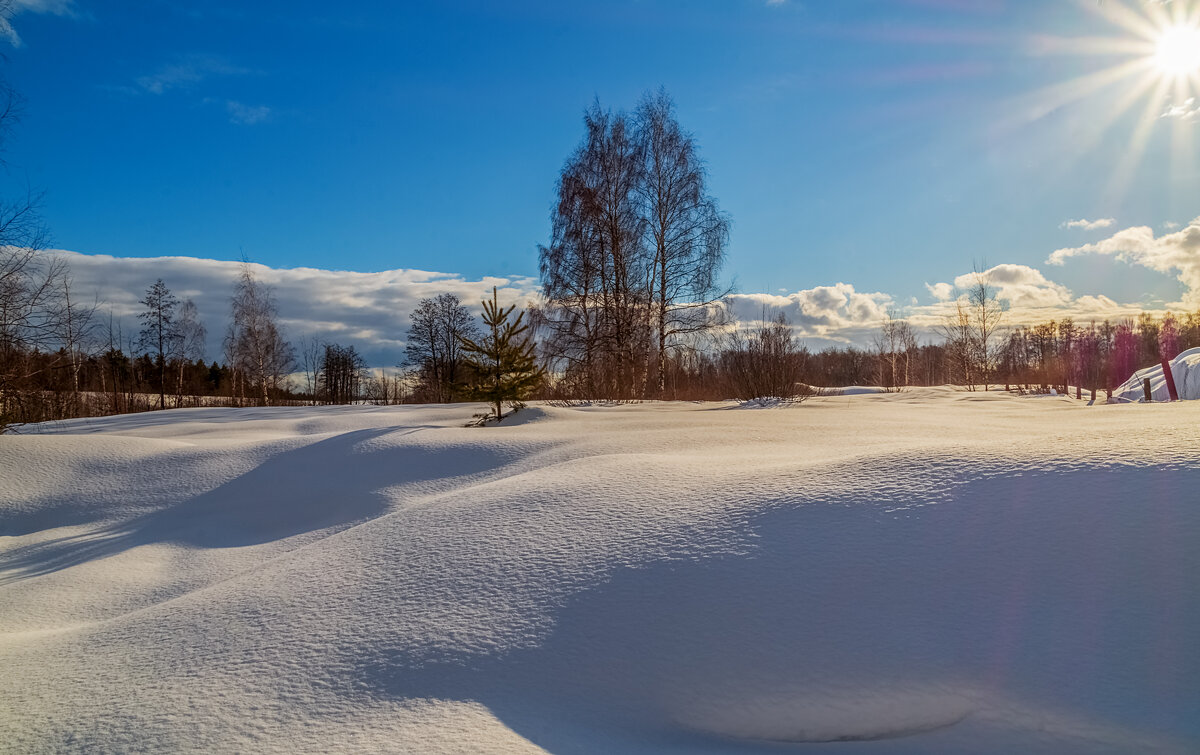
(986, 315)
(189, 342)
(636, 245)
(76, 332)
(311, 353)
(254, 346)
(960, 351)
(894, 346)
(687, 233)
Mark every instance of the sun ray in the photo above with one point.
(1086, 144)
(1163, 14)
(1121, 15)
(1159, 64)
(1182, 132)
(1038, 104)
(1107, 46)
(1138, 142)
(1183, 145)
(1140, 88)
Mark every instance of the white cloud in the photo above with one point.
(246, 115)
(834, 313)
(1027, 295)
(367, 310)
(1177, 253)
(1089, 225)
(189, 70)
(57, 7)
(1187, 112)
(941, 291)
(1021, 286)
(53, 7)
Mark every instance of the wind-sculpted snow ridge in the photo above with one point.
(1185, 368)
(927, 571)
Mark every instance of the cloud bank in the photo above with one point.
(823, 315)
(366, 310)
(1027, 296)
(370, 310)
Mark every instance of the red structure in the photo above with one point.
(1170, 380)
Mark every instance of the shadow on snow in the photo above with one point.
(847, 622)
(331, 483)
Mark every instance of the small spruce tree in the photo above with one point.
(502, 366)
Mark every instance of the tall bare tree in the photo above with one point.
(433, 347)
(189, 342)
(76, 332)
(159, 330)
(311, 353)
(686, 232)
(986, 315)
(894, 347)
(31, 283)
(960, 351)
(254, 346)
(636, 245)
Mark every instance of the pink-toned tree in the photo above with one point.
(1168, 337)
(1125, 351)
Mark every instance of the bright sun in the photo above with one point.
(1177, 50)
(1150, 67)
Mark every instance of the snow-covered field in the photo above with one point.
(930, 571)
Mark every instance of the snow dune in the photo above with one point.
(1185, 368)
(929, 571)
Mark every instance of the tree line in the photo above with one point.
(61, 359)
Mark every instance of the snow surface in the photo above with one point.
(1185, 368)
(928, 571)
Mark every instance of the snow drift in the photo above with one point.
(930, 571)
(1185, 368)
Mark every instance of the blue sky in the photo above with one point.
(886, 144)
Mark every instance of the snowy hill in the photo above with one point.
(1185, 368)
(929, 571)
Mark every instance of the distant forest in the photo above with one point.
(631, 308)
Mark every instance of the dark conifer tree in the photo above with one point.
(503, 366)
